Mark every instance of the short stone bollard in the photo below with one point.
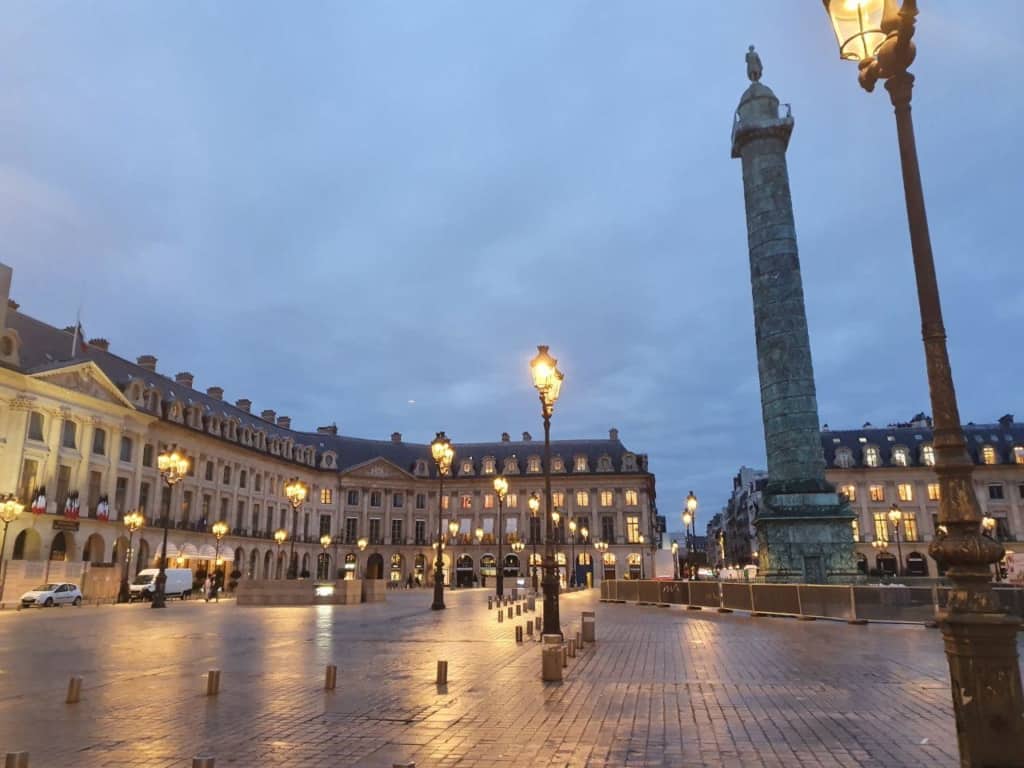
(213, 682)
(572, 648)
(74, 690)
(579, 641)
(490, 602)
(519, 634)
(203, 762)
(551, 659)
(442, 672)
(501, 616)
(331, 677)
(565, 656)
(589, 626)
(16, 760)
(529, 628)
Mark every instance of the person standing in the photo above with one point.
(207, 588)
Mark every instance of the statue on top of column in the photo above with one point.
(753, 65)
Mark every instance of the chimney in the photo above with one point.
(284, 422)
(184, 378)
(613, 434)
(396, 437)
(148, 362)
(244, 404)
(217, 393)
(505, 437)
(330, 429)
(268, 415)
(1006, 421)
(526, 437)
(100, 344)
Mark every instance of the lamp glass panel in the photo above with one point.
(858, 27)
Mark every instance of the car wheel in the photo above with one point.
(48, 603)
(77, 601)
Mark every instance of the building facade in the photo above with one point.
(82, 429)
(874, 468)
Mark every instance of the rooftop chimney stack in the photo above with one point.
(184, 378)
(284, 422)
(100, 344)
(505, 437)
(613, 434)
(147, 361)
(396, 437)
(244, 404)
(268, 415)
(330, 429)
(217, 393)
(526, 437)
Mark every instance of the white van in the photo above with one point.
(178, 584)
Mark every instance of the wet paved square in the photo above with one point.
(662, 687)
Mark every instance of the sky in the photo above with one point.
(370, 213)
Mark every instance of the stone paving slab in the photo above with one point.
(663, 687)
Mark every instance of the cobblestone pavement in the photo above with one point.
(662, 687)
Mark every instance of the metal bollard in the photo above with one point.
(331, 677)
(579, 641)
(212, 684)
(519, 634)
(442, 672)
(529, 628)
(74, 690)
(589, 625)
(490, 602)
(572, 648)
(16, 760)
(501, 616)
(565, 656)
(203, 762)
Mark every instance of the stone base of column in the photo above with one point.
(806, 538)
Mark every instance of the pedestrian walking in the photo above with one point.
(207, 588)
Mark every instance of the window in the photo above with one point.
(632, 498)
(325, 525)
(876, 493)
(398, 500)
(255, 517)
(1020, 491)
(205, 508)
(905, 491)
(608, 528)
(557, 465)
(121, 494)
(844, 458)
(533, 465)
(871, 456)
(633, 529)
(421, 501)
(240, 515)
(580, 464)
(856, 530)
(488, 466)
(99, 442)
(467, 467)
(607, 498)
(95, 481)
(445, 500)
(209, 471)
(488, 501)
(465, 501)
(881, 526)
(910, 527)
(421, 531)
(351, 530)
(933, 492)
(988, 455)
(928, 455)
(326, 496)
(258, 482)
(995, 491)
(35, 426)
(144, 497)
(69, 434)
(226, 479)
(396, 531)
(900, 456)
(849, 492)
(376, 498)
(582, 499)
(511, 466)
(353, 498)
(29, 470)
(126, 449)
(243, 478)
(558, 499)
(512, 501)
(375, 537)
(1018, 454)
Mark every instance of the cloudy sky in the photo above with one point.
(372, 212)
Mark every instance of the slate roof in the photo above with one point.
(1002, 436)
(45, 347)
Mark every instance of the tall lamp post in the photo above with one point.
(556, 517)
(584, 535)
(10, 510)
(641, 542)
(572, 552)
(895, 517)
(280, 536)
(295, 491)
(689, 517)
(325, 544)
(534, 505)
(548, 381)
(980, 640)
(517, 547)
(133, 521)
(443, 453)
(219, 531)
(173, 466)
(601, 547)
(501, 491)
(675, 559)
(453, 530)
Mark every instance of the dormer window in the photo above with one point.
(629, 463)
(900, 456)
(872, 458)
(604, 464)
(511, 466)
(928, 455)
(580, 464)
(421, 468)
(988, 455)
(467, 467)
(488, 465)
(557, 465)
(844, 458)
(1018, 454)
(533, 464)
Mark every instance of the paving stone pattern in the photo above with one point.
(663, 687)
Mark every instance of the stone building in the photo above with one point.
(82, 428)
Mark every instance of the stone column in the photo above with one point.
(804, 531)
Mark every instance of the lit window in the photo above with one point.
(633, 529)
(466, 501)
(934, 494)
(632, 498)
(905, 491)
(326, 495)
(533, 465)
(467, 467)
(988, 455)
(607, 497)
(35, 426)
(849, 492)
(488, 466)
(844, 458)
(928, 455)
(488, 501)
(900, 456)
(445, 502)
(557, 465)
(558, 499)
(876, 492)
(1018, 454)
(580, 464)
(582, 499)
(909, 526)
(871, 456)
(856, 530)
(511, 501)
(881, 520)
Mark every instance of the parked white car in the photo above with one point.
(46, 595)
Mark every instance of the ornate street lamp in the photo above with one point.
(980, 639)
(584, 535)
(572, 552)
(517, 547)
(641, 542)
(10, 510)
(548, 381)
(534, 505)
(443, 453)
(133, 521)
(280, 536)
(895, 516)
(173, 466)
(453, 530)
(501, 490)
(675, 559)
(295, 491)
(325, 544)
(219, 530)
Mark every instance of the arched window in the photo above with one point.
(844, 458)
(872, 457)
(928, 455)
(900, 456)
